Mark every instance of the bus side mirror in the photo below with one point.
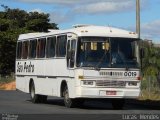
(142, 53)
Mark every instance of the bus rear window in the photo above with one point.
(25, 49)
(19, 50)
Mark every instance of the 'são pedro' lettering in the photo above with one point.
(25, 67)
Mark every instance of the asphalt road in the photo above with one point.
(16, 102)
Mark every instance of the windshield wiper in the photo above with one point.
(124, 61)
(100, 61)
(121, 60)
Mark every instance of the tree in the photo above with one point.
(39, 22)
(12, 23)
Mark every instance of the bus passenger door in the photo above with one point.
(71, 45)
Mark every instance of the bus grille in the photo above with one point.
(107, 83)
(111, 73)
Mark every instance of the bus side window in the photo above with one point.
(32, 48)
(19, 50)
(25, 49)
(41, 43)
(50, 48)
(61, 46)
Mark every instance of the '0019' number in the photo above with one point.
(132, 74)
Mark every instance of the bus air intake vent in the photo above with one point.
(111, 74)
(109, 83)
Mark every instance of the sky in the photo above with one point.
(113, 13)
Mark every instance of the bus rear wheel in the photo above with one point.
(35, 98)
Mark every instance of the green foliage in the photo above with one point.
(151, 61)
(12, 23)
(39, 22)
(6, 79)
(150, 68)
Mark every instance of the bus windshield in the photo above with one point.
(102, 52)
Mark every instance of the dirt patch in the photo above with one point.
(8, 86)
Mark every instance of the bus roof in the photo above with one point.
(84, 30)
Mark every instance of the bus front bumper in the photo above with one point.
(83, 92)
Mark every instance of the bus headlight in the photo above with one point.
(88, 83)
(132, 83)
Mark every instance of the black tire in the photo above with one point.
(68, 102)
(118, 104)
(35, 98)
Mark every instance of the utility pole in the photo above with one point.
(138, 30)
(138, 17)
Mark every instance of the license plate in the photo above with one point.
(110, 92)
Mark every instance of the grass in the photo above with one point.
(150, 89)
(6, 79)
(150, 95)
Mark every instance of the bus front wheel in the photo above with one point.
(69, 103)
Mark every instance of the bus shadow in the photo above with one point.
(97, 105)
(88, 104)
(57, 102)
(106, 104)
(130, 104)
(147, 104)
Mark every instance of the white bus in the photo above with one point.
(85, 62)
